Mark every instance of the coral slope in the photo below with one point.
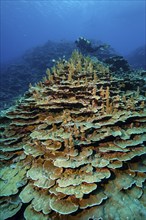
(74, 147)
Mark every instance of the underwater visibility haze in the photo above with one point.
(34, 32)
(29, 23)
(73, 110)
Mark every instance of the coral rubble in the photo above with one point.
(74, 147)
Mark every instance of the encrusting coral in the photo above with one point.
(74, 147)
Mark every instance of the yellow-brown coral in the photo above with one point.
(74, 147)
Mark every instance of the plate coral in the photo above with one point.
(74, 147)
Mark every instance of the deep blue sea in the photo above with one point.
(29, 23)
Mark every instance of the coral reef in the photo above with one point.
(86, 46)
(118, 63)
(137, 58)
(95, 48)
(30, 68)
(74, 147)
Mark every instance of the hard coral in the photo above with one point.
(74, 147)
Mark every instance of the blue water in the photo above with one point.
(28, 23)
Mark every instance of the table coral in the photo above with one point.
(74, 147)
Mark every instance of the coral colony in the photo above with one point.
(74, 147)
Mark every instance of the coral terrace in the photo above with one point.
(74, 147)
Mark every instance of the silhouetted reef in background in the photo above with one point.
(31, 67)
(137, 58)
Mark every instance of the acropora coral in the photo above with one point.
(74, 147)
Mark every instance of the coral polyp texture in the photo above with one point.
(74, 147)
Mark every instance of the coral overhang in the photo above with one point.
(74, 147)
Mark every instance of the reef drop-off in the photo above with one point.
(74, 147)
